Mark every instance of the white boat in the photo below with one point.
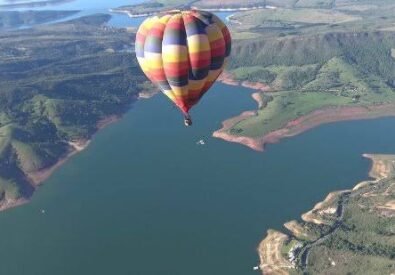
(201, 142)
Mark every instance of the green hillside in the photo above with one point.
(57, 82)
(313, 58)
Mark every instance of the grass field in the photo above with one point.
(283, 108)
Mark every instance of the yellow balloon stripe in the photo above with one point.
(198, 43)
(173, 53)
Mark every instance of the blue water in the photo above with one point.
(89, 7)
(145, 199)
(86, 5)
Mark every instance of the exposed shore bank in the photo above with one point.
(36, 178)
(303, 123)
(296, 126)
(228, 79)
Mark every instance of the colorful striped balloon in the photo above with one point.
(183, 53)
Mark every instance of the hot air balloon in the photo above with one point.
(183, 53)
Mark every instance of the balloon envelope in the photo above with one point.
(183, 53)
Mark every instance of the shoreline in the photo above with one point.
(7, 204)
(35, 179)
(297, 126)
(38, 177)
(75, 147)
(133, 15)
(303, 123)
(228, 79)
(270, 249)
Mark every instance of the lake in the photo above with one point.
(144, 198)
(89, 7)
(86, 5)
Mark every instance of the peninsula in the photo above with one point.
(355, 224)
(311, 65)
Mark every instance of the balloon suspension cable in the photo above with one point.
(187, 120)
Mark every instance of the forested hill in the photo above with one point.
(57, 82)
(314, 55)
